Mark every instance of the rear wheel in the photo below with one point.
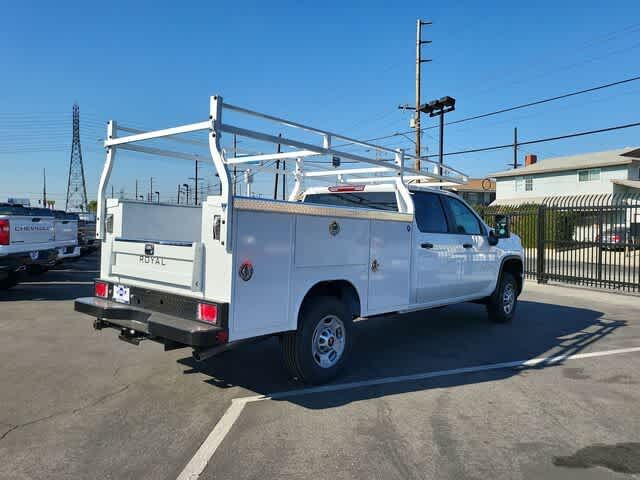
(502, 304)
(10, 281)
(317, 351)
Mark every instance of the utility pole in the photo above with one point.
(44, 188)
(275, 186)
(515, 148)
(150, 189)
(136, 197)
(195, 194)
(284, 179)
(113, 195)
(235, 168)
(178, 194)
(419, 62)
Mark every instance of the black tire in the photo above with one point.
(9, 282)
(498, 309)
(36, 270)
(298, 346)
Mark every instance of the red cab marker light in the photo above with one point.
(208, 312)
(347, 188)
(101, 289)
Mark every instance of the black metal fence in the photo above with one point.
(591, 240)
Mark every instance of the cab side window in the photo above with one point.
(429, 213)
(463, 219)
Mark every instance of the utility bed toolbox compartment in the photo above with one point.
(175, 263)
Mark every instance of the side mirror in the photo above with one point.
(502, 226)
(493, 237)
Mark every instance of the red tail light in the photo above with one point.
(5, 232)
(347, 188)
(101, 289)
(208, 312)
(616, 238)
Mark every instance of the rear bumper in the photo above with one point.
(71, 251)
(150, 324)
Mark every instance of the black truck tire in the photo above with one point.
(319, 349)
(11, 280)
(501, 306)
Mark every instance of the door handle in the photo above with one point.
(467, 245)
(426, 245)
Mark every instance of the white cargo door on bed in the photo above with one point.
(260, 297)
(389, 265)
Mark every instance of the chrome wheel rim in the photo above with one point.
(328, 341)
(508, 298)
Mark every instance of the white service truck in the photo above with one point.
(237, 268)
(26, 241)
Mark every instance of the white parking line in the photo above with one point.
(198, 463)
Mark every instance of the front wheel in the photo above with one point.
(318, 350)
(502, 304)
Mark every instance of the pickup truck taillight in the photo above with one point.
(101, 289)
(5, 232)
(208, 312)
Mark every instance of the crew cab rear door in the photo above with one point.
(436, 276)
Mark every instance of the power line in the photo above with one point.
(517, 107)
(542, 140)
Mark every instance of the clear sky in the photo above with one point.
(340, 65)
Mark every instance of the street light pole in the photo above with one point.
(440, 107)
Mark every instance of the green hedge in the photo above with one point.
(559, 224)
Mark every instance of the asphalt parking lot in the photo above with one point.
(439, 394)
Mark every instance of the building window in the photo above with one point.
(591, 175)
(519, 184)
(528, 184)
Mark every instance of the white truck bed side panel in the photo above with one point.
(304, 279)
(389, 286)
(259, 304)
(315, 245)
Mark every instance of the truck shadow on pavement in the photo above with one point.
(455, 337)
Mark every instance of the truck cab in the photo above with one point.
(455, 256)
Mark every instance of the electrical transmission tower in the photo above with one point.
(76, 188)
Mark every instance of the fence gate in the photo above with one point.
(581, 240)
